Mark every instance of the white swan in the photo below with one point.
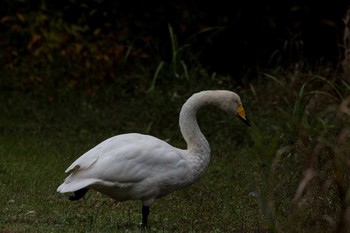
(141, 167)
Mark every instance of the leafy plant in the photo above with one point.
(311, 113)
(183, 63)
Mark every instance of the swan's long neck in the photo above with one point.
(198, 148)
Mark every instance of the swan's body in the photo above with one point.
(142, 167)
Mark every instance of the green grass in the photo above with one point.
(249, 185)
(40, 139)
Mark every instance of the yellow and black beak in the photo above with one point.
(241, 115)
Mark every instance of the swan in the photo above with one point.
(142, 167)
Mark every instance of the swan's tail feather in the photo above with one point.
(75, 185)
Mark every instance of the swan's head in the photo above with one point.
(232, 103)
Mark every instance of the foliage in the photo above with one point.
(56, 55)
(117, 37)
(309, 135)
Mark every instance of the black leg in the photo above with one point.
(145, 213)
(78, 194)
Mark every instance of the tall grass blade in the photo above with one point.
(299, 107)
(279, 82)
(174, 50)
(155, 77)
(346, 85)
(184, 67)
(331, 84)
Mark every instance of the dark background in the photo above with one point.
(234, 38)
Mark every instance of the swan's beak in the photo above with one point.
(241, 115)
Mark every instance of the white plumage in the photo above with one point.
(141, 167)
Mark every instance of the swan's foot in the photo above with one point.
(145, 213)
(78, 194)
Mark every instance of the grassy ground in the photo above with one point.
(253, 184)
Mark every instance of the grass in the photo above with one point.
(40, 139)
(289, 173)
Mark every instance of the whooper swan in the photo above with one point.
(141, 167)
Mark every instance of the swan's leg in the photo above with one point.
(78, 194)
(145, 213)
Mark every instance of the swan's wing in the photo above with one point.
(125, 160)
(88, 159)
